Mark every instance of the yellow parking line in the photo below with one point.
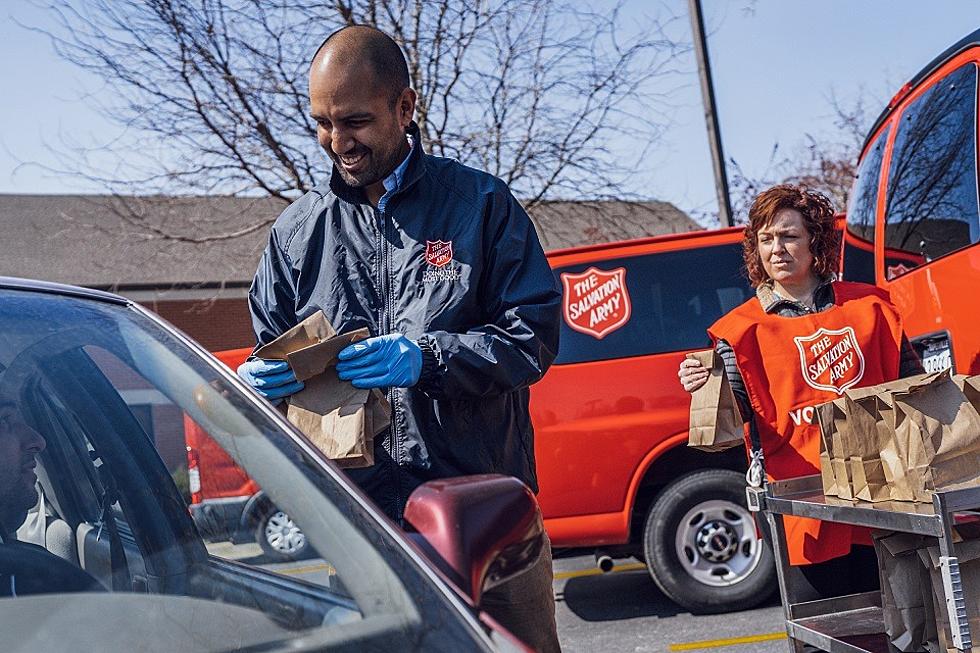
(732, 641)
(633, 566)
(308, 569)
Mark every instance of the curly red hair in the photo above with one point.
(818, 218)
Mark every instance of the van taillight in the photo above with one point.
(194, 474)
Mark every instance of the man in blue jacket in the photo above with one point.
(443, 266)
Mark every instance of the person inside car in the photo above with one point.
(27, 568)
(800, 341)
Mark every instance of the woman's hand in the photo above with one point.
(692, 374)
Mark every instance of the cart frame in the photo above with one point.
(854, 623)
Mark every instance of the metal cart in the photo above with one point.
(854, 624)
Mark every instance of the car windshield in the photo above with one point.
(130, 427)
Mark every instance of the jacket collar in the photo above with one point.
(413, 171)
(772, 301)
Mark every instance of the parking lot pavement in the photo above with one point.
(625, 611)
(621, 611)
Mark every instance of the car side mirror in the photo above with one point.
(480, 531)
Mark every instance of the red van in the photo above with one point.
(915, 208)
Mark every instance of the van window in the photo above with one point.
(932, 180)
(673, 296)
(859, 240)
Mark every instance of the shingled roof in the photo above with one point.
(106, 242)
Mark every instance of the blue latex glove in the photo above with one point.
(271, 379)
(385, 361)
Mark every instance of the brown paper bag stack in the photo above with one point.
(716, 421)
(941, 429)
(902, 440)
(906, 597)
(338, 418)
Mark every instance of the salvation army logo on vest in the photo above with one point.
(438, 253)
(831, 359)
(596, 302)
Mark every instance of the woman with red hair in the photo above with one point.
(803, 340)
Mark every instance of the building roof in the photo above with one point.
(118, 243)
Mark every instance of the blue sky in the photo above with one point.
(775, 63)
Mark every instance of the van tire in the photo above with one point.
(700, 545)
(279, 537)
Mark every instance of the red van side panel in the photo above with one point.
(598, 426)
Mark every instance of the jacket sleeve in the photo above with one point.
(727, 354)
(521, 301)
(271, 298)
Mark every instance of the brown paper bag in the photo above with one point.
(906, 595)
(877, 457)
(829, 416)
(942, 430)
(864, 445)
(833, 435)
(716, 421)
(970, 385)
(341, 420)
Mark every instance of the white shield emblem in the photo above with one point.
(831, 359)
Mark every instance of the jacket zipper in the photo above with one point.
(385, 321)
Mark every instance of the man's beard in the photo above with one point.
(14, 506)
(376, 170)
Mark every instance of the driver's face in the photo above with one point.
(19, 447)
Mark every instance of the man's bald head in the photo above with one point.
(359, 46)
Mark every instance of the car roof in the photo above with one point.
(34, 285)
(965, 43)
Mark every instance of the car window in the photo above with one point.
(859, 239)
(641, 305)
(113, 396)
(932, 206)
(239, 521)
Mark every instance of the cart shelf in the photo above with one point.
(854, 624)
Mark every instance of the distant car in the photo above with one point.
(73, 362)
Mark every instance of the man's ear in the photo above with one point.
(406, 106)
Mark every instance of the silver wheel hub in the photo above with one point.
(716, 543)
(283, 534)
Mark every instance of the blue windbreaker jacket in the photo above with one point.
(453, 262)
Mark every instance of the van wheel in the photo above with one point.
(279, 536)
(701, 547)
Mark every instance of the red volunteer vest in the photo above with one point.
(791, 364)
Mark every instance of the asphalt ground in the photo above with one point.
(624, 611)
(619, 611)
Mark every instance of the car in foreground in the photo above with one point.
(117, 562)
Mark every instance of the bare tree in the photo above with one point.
(824, 162)
(212, 94)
